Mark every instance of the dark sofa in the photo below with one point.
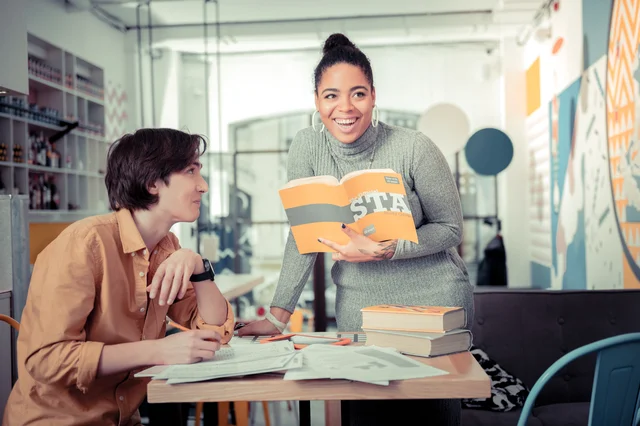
(525, 331)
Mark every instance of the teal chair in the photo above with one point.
(615, 399)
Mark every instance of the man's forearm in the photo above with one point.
(212, 306)
(126, 357)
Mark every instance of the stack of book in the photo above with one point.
(417, 330)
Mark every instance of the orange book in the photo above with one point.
(371, 202)
(431, 319)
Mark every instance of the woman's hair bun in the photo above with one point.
(335, 41)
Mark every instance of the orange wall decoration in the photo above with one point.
(533, 87)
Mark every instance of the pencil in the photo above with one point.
(178, 326)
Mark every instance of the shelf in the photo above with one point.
(44, 84)
(53, 128)
(45, 169)
(62, 128)
(89, 136)
(62, 215)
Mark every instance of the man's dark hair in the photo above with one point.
(135, 161)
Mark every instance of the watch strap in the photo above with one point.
(207, 274)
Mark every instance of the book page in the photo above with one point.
(325, 180)
(361, 172)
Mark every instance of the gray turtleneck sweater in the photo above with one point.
(428, 273)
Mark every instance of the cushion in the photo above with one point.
(507, 392)
(567, 414)
(494, 418)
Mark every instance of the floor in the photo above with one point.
(279, 414)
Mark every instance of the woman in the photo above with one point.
(367, 272)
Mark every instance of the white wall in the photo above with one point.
(13, 49)
(406, 78)
(513, 181)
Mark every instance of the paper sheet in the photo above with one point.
(241, 354)
(369, 364)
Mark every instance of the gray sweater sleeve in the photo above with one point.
(440, 201)
(296, 267)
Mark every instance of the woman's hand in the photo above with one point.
(173, 276)
(258, 328)
(361, 248)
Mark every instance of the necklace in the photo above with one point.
(373, 154)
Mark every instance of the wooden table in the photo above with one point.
(466, 379)
(234, 286)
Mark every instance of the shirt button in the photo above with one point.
(142, 274)
(144, 252)
(121, 398)
(141, 309)
(133, 254)
(155, 252)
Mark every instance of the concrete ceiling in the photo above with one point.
(268, 25)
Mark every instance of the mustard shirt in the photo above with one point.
(87, 290)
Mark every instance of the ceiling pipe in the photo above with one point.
(487, 13)
(525, 33)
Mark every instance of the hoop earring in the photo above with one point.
(376, 120)
(313, 123)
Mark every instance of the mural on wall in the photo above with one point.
(593, 166)
(623, 94)
(116, 111)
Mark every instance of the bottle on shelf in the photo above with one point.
(37, 67)
(43, 192)
(4, 152)
(54, 195)
(17, 154)
(34, 194)
(42, 152)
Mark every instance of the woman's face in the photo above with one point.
(345, 101)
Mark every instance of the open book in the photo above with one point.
(371, 202)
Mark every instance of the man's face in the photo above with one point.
(180, 198)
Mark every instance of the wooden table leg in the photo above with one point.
(332, 413)
(242, 412)
(305, 413)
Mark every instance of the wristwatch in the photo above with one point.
(208, 273)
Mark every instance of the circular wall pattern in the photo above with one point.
(447, 126)
(488, 151)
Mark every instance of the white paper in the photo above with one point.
(369, 364)
(268, 365)
(242, 354)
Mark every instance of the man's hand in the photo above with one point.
(361, 248)
(187, 347)
(172, 277)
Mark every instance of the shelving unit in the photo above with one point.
(56, 134)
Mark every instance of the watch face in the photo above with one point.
(208, 268)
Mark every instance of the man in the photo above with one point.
(100, 292)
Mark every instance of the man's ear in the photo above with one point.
(153, 188)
